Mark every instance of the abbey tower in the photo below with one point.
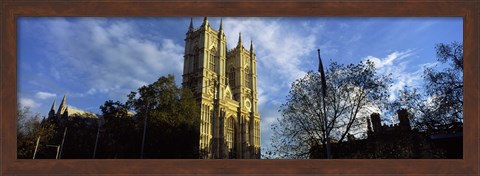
(224, 83)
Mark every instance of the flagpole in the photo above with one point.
(324, 94)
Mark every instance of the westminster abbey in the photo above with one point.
(224, 83)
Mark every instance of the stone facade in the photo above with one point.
(224, 83)
(65, 111)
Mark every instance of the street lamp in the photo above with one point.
(145, 127)
(99, 124)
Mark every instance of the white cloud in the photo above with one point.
(45, 95)
(101, 56)
(110, 57)
(388, 61)
(277, 47)
(403, 74)
(91, 91)
(282, 51)
(27, 102)
(429, 65)
(269, 117)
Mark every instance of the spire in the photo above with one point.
(64, 100)
(190, 28)
(220, 24)
(63, 105)
(54, 105)
(205, 21)
(239, 39)
(221, 34)
(65, 113)
(251, 46)
(51, 113)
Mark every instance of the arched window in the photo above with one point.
(230, 132)
(247, 131)
(231, 77)
(212, 60)
(247, 77)
(195, 59)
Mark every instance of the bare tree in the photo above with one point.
(446, 87)
(29, 128)
(354, 91)
(441, 102)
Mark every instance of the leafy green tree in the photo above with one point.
(351, 91)
(29, 129)
(172, 129)
(118, 135)
(79, 137)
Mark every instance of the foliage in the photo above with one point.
(80, 136)
(446, 87)
(442, 101)
(29, 128)
(172, 129)
(118, 135)
(418, 106)
(351, 90)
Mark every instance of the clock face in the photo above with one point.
(248, 105)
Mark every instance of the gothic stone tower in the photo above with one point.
(225, 86)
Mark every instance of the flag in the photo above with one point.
(322, 75)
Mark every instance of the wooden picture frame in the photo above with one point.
(10, 11)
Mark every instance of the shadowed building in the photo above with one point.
(225, 86)
(399, 141)
(73, 135)
(66, 111)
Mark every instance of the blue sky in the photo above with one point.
(92, 60)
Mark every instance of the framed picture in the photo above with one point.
(225, 99)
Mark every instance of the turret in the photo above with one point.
(404, 119)
(190, 28)
(239, 45)
(51, 113)
(376, 123)
(65, 113)
(205, 22)
(63, 106)
(252, 67)
(251, 47)
(221, 28)
(350, 137)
